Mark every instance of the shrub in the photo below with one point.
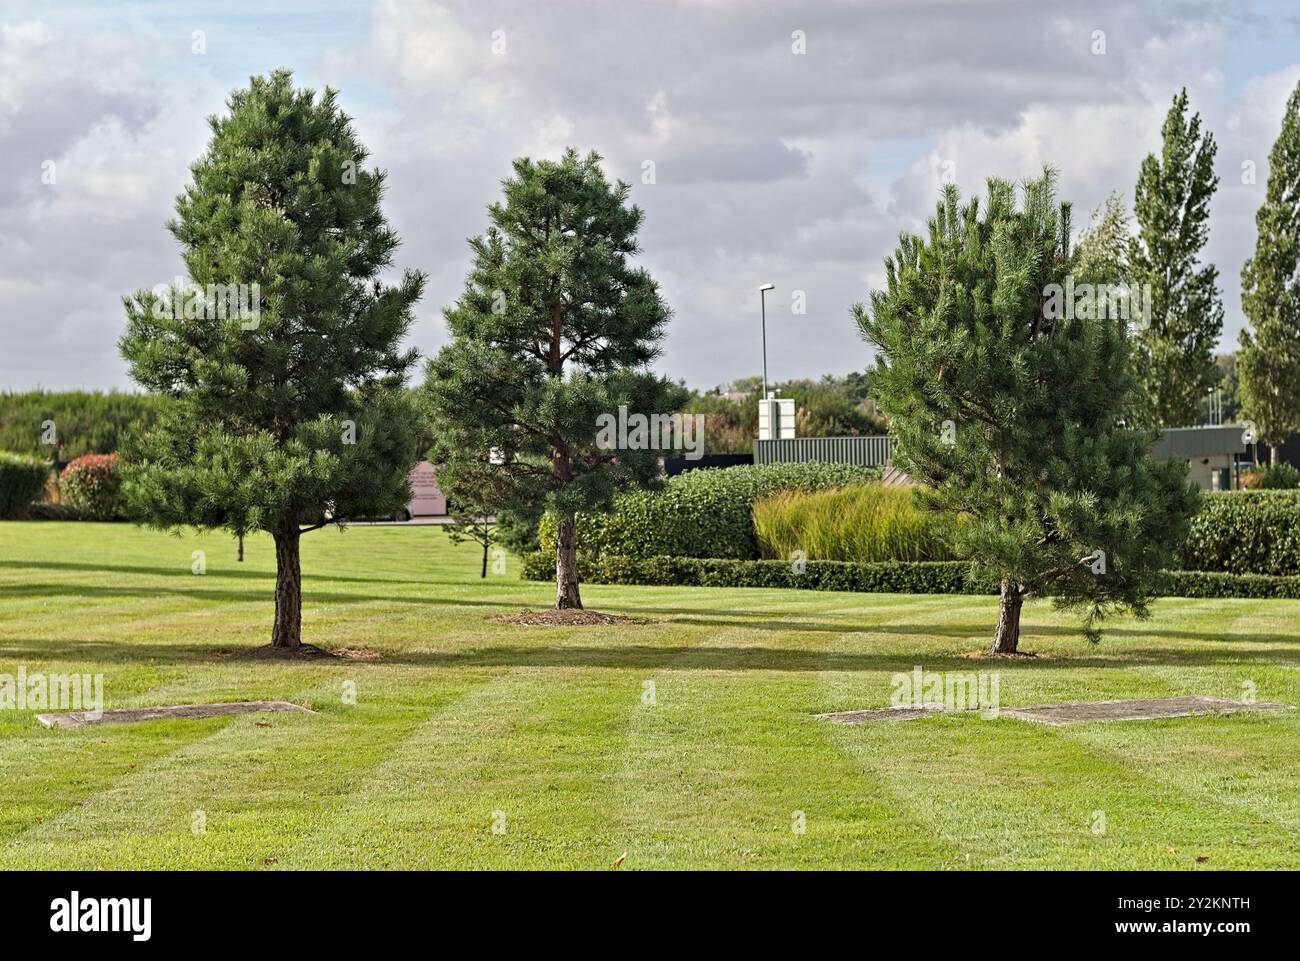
(22, 481)
(1277, 477)
(93, 485)
(860, 522)
(52, 511)
(701, 513)
(891, 577)
(1245, 532)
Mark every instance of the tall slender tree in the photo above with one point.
(1269, 359)
(1102, 253)
(554, 331)
(1175, 350)
(1008, 409)
(290, 414)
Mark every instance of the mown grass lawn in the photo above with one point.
(463, 718)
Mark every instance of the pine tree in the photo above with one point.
(1175, 351)
(472, 523)
(554, 330)
(1007, 408)
(1269, 360)
(293, 415)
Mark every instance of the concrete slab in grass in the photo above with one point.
(1141, 709)
(130, 715)
(882, 714)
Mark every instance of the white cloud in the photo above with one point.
(770, 166)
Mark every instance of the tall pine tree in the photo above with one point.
(554, 330)
(1175, 350)
(294, 415)
(1006, 404)
(1269, 359)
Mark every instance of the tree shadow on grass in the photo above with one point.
(643, 656)
(752, 657)
(309, 596)
(757, 620)
(183, 570)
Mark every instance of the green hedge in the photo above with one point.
(701, 513)
(22, 481)
(1245, 532)
(891, 577)
(85, 422)
(916, 577)
(1217, 584)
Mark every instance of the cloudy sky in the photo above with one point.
(791, 142)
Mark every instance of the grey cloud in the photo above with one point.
(770, 166)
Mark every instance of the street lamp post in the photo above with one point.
(762, 301)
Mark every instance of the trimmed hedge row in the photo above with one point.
(890, 577)
(885, 577)
(22, 482)
(701, 513)
(1245, 532)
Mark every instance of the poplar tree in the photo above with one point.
(1175, 350)
(292, 416)
(555, 328)
(1102, 252)
(1010, 412)
(1269, 359)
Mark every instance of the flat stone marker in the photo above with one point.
(882, 714)
(1142, 709)
(129, 715)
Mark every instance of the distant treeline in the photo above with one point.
(79, 422)
(829, 407)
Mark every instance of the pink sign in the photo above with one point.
(426, 499)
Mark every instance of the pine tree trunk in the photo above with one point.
(485, 555)
(287, 633)
(239, 549)
(1007, 637)
(566, 564)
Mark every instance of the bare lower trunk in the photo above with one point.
(239, 549)
(287, 633)
(566, 564)
(1007, 637)
(485, 555)
(1272, 455)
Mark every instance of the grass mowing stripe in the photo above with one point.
(1227, 767)
(727, 769)
(256, 779)
(511, 775)
(561, 743)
